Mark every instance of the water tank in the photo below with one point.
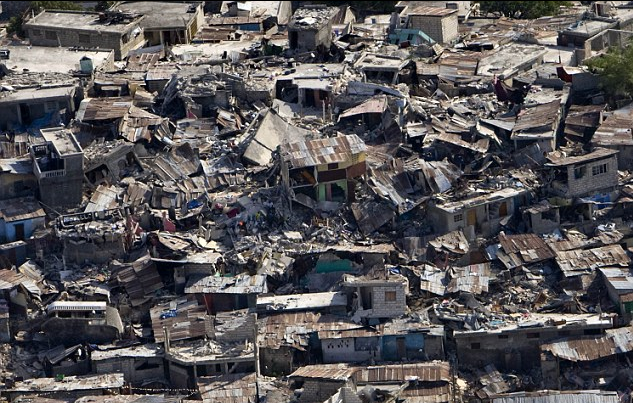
(86, 65)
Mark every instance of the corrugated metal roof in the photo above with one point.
(104, 198)
(524, 249)
(555, 396)
(615, 341)
(24, 208)
(10, 279)
(183, 319)
(426, 11)
(617, 129)
(576, 262)
(336, 372)
(373, 105)
(557, 159)
(230, 388)
(435, 371)
(454, 242)
(293, 328)
(139, 279)
(473, 278)
(323, 151)
(94, 109)
(537, 121)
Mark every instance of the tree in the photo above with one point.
(614, 69)
(15, 23)
(103, 5)
(523, 9)
(38, 6)
(15, 26)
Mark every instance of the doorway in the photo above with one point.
(19, 232)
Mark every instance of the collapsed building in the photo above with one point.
(263, 202)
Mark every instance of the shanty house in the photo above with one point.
(441, 24)
(481, 214)
(583, 175)
(19, 218)
(392, 341)
(319, 382)
(542, 218)
(111, 30)
(17, 178)
(221, 294)
(418, 382)
(556, 396)
(323, 169)
(310, 28)
(538, 124)
(377, 298)
(616, 133)
(619, 283)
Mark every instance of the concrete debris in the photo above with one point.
(257, 202)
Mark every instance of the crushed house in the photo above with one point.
(310, 28)
(71, 322)
(516, 346)
(120, 32)
(323, 170)
(96, 236)
(166, 23)
(481, 214)
(140, 365)
(31, 104)
(558, 356)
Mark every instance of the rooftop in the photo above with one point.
(62, 139)
(322, 151)
(20, 209)
(301, 301)
(556, 396)
(80, 21)
(70, 383)
(559, 159)
(477, 200)
(140, 351)
(41, 59)
(161, 15)
(311, 18)
(426, 11)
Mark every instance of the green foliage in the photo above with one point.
(15, 26)
(524, 9)
(103, 5)
(614, 69)
(38, 6)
